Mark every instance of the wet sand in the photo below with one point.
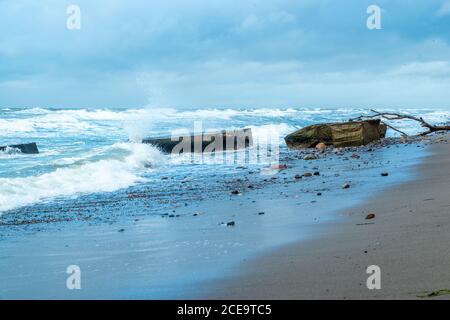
(408, 239)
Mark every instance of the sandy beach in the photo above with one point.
(408, 239)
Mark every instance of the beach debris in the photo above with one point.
(370, 216)
(27, 148)
(231, 224)
(345, 186)
(343, 134)
(393, 116)
(436, 293)
(384, 174)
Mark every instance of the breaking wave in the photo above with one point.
(123, 168)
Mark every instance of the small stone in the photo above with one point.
(370, 216)
(321, 146)
(231, 224)
(319, 193)
(384, 174)
(307, 174)
(261, 213)
(121, 230)
(235, 192)
(297, 177)
(345, 186)
(309, 157)
(279, 167)
(317, 173)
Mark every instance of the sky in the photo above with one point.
(224, 53)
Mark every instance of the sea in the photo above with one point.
(94, 151)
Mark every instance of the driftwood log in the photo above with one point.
(399, 116)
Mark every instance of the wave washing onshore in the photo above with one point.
(85, 151)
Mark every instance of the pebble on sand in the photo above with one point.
(321, 146)
(309, 157)
(279, 167)
(370, 216)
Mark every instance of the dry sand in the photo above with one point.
(409, 239)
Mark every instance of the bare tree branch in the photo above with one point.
(398, 116)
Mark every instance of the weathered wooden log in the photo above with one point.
(210, 142)
(27, 148)
(345, 134)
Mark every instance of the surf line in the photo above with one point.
(194, 311)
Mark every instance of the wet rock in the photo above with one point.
(307, 174)
(370, 216)
(345, 186)
(309, 157)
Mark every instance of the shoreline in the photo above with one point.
(408, 239)
(152, 256)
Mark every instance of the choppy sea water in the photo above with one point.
(87, 151)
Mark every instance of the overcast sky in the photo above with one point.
(224, 53)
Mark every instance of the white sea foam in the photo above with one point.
(123, 169)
